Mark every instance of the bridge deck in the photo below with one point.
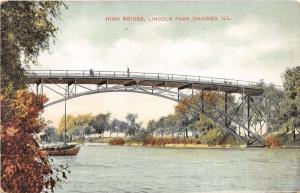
(145, 79)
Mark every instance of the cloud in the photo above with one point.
(249, 48)
(246, 29)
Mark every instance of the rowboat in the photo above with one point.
(67, 150)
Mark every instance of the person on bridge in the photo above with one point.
(128, 71)
(92, 72)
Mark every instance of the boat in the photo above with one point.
(67, 150)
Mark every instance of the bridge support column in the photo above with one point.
(42, 89)
(218, 103)
(202, 99)
(248, 116)
(75, 85)
(226, 108)
(243, 104)
(37, 89)
(192, 90)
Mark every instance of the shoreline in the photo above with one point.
(191, 146)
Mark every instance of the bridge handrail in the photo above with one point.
(160, 76)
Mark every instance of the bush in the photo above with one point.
(139, 137)
(164, 141)
(117, 141)
(273, 140)
(214, 136)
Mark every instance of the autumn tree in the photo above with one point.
(70, 119)
(189, 110)
(75, 124)
(26, 29)
(24, 167)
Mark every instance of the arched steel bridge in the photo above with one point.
(75, 83)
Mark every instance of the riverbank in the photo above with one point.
(174, 144)
(191, 146)
(196, 146)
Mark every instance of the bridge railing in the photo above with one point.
(124, 74)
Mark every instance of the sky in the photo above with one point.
(259, 40)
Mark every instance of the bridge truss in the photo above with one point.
(239, 118)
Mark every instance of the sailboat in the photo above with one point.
(66, 149)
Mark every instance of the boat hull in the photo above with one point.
(63, 151)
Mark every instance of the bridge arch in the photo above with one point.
(170, 95)
(155, 84)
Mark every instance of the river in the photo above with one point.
(145, 169)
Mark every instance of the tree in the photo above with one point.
(189, 111)
(173, 123)
(292, 82)
(290, 107)
(50, 133)
(82, 124)
(162, 125)
(133, 126)
(26, 28)
(101, 122)
(70, 123)
(24, 166)
(123, 126)
(115, 126)
(204, 124)
(151, 126)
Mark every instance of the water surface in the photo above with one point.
(144, 169)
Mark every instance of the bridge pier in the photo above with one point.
(202, 100)
(248, 116)
(226, 108)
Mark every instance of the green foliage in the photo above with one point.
(292, 82)
(151, 127)
(133, 126)
(289, 116)
(26, 29)
(101, 122)
(215, 136)
(268, 108)
(204, 124)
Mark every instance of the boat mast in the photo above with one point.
(65, 122)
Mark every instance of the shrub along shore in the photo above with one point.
(176, 143)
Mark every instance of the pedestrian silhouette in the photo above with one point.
(92, 72)
(128, 72)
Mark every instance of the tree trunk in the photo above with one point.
(186, 133)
